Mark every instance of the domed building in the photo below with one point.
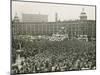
(73, 28)
(83, 15)
(16, 18)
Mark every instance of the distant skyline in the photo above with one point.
(65, 12)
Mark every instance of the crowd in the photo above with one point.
(46, 56)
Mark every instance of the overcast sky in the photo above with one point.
(65, 12)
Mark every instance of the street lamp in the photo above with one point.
(19, 60)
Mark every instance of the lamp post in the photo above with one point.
(19, 60)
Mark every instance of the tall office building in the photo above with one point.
(34, 18)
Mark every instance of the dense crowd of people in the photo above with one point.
(53, 56)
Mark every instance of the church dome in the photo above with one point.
(16, 18)
(83, 15)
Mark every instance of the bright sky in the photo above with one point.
(65, 12)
